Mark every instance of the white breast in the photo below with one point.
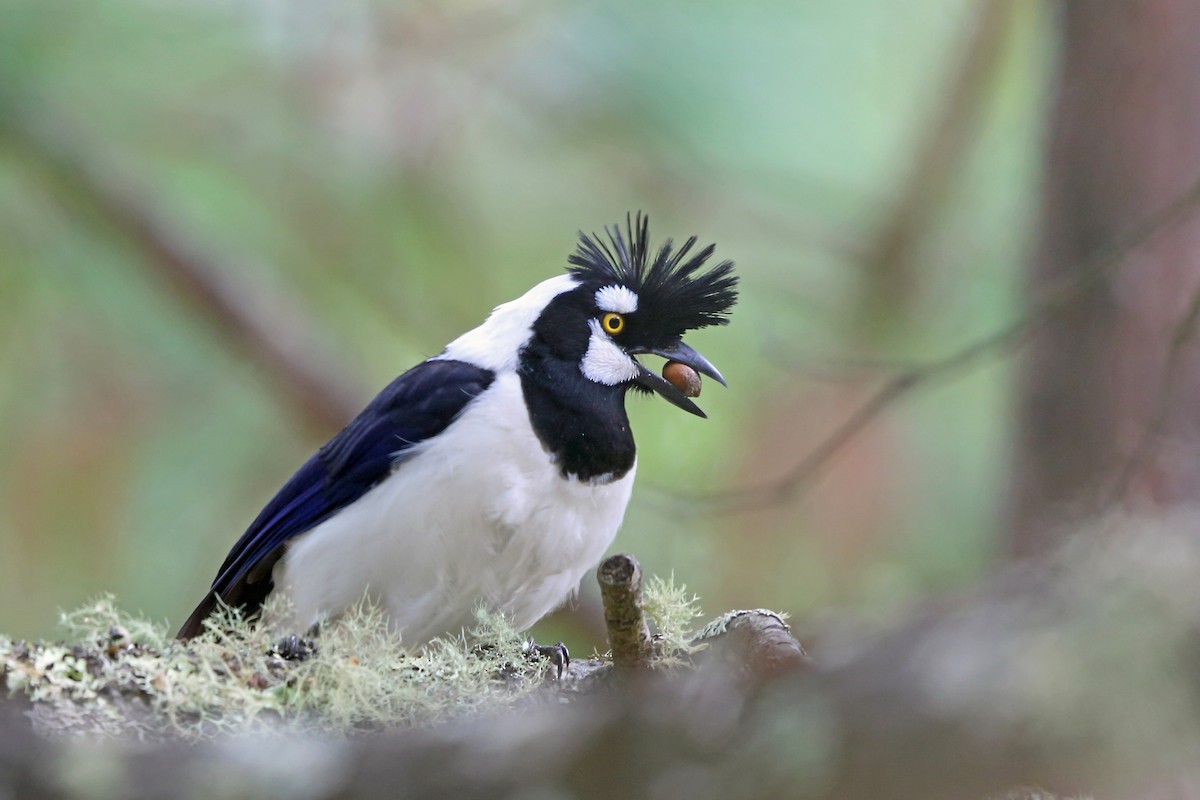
(478, 515)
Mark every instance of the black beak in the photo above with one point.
(684, 355)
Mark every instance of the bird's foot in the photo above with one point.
(295, 648)
(557, 654)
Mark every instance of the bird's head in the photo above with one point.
(617, 301)
(625, 301)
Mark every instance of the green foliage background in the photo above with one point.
(397, 169)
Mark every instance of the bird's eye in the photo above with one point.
(613, 323)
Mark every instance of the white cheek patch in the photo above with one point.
(605, 362)
(618, 299)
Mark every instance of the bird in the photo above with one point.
(496, 473)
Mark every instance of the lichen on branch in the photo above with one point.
(125, 675)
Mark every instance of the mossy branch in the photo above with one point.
(122, 674)
(1079, 673)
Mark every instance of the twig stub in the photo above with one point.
(620, 579)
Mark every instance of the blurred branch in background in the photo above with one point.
(892, 252)
(1051, 301)
(1155, 432)
(257, 321)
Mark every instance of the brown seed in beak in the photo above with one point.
(682, 377)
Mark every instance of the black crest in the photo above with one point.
(671, 287)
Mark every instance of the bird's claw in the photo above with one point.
(557, 653)
(295, 648)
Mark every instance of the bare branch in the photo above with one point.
(756, 642)
(620, 579)
(259, 322)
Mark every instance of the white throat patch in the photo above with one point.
(618, 299)
(605, 362)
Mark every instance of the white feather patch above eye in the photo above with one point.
(618, 299)
(605, 362)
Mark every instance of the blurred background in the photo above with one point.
(225, 225)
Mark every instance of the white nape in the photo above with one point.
(496, 344)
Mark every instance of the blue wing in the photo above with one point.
(416, 406)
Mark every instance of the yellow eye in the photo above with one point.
(613, 323)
